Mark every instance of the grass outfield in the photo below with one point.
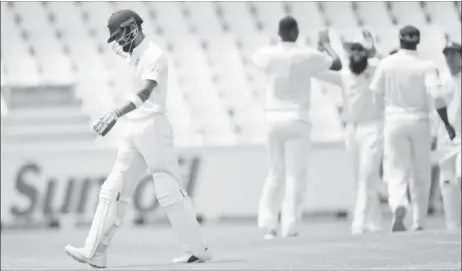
(322, 245)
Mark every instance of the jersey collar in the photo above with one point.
(139, 50)
(408, 52)
(287, 44)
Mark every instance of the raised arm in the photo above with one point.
(369, 44)
(325, 46)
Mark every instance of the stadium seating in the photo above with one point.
(216, 95)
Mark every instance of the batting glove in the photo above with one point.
(106, 122)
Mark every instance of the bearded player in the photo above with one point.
(450, 177)
(364, 131)
(147, 145)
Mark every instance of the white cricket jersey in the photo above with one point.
(451, 87)
(407, 82)
(289, 69)
(360, 104)
(150, 63)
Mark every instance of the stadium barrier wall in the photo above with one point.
(224, 182)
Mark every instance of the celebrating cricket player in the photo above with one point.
(406, 82)
(289, 69)
(450, 178)
(364, 131)
(147, 145)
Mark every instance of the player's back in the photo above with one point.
(150, 63)
(406, 84)
(289, 70)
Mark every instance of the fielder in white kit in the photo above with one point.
(408, 84)
(364, 133)
(148, 145)
(450, 176)
(289, 69)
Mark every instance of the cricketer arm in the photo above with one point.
(377, 84)
(370, 44)
(332, 77)
(108, 120)
(441, 109)
(135, 100)
(432, 82)
(325, 46)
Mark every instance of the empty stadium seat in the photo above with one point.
(269, 13)
(432, 44)
(237, 15)
(340, 14)
(374, 14)
(57, 69)
(172, 22)
(33, 17)
(22, 71)
(200, 16)
(408, 12)
(444, 14)
(308, 15)
(216, 94)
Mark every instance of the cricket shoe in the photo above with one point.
(367, 229)
(203, 257)
(289, 235)
(358, 230)
(270, 235)
(398, 220)
(417, 228)
(98, 260)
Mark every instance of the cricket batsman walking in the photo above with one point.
(288, 69)
(147, 145)
(408, 84)
(364, 132)
(450, 177)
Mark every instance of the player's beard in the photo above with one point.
(357, 66)
(127, 48)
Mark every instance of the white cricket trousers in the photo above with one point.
(288, 148)
(407, 163)
(364, 143)
(147, 145)
(450, 181)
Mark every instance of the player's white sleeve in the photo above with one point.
(261, 58)
(333, 77)
(153, 71)
(433, 86)
(377, 84)
(432, 82)
(319, 62)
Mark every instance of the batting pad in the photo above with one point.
(185, 225)
(108, 217)
(180, 212)
(450, 192)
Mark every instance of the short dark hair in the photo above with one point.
(407, 32)
(287, 23)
